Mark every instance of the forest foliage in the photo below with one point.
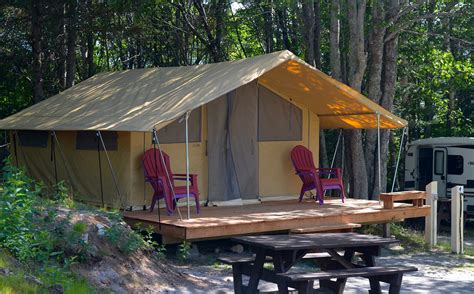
(414, 57)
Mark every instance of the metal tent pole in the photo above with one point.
(335, 149)
(63, 157)
(155, 137)
(111, 168)
(187, 163)
(379, 152)
(398, 159)
(100, 171)
(53, 157)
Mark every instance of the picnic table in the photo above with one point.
(284, 251)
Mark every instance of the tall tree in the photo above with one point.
(374, 90)
(308, 29)
(71, 42)
(357, 63)
(36, 45)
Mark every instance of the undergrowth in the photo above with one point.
(46, 245)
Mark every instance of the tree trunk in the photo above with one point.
(317, 34)
(389, 82)
(335, 62)
(308, 21)
(268, 26)
(357, 65)
(374, 91)
(36, 44)
(334, 35)
(71, 43)
(62, 49)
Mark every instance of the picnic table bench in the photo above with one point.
(332, 251)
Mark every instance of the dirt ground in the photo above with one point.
(143, 272)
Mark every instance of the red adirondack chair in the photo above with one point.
(156, 175)
(315, 178)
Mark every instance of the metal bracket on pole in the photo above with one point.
(431, 220)
(457, 219)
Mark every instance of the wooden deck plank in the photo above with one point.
(221, 222)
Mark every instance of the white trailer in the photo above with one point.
(447, 160)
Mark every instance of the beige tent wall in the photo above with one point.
(80, 168)
(276, 173)
(140, 142)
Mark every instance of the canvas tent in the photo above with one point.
(246, 115)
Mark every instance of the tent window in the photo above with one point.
(175, 132)
(88, 140)
(278, 119)
(33, 138)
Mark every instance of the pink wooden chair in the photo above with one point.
(315, 178)
(155, 174)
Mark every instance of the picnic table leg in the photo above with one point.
(279, 267)
(256, 270)
(237, 275)
(369, 260)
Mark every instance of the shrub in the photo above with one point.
(16, 213)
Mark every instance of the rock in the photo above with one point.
(100, 229)
(194, 252)
(5, 272)
(33, 279)
(56, 289)
(237, 248)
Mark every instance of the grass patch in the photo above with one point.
(19, 278)
(446, 247)
(411, 240)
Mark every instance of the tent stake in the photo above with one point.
(398, 159)
(187, 163)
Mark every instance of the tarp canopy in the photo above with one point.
(140, 99)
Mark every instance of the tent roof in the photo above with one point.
(138, 100)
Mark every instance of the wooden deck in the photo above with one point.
(275, 216)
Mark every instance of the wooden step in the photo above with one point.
(390, 198)
(349, 227)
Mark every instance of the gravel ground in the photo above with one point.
(438, 273)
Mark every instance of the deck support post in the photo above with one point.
(431, 220)
(457, 221)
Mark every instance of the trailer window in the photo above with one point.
(455, 164)
(439, 163)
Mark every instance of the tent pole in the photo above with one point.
(156, 168)
(155, 138)
(15, 148)
(111, 168)
(63, 158)
(100, 171)
(379, 153)
(53, 157)
(187, 163)
(335, 149)
(398, 159)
